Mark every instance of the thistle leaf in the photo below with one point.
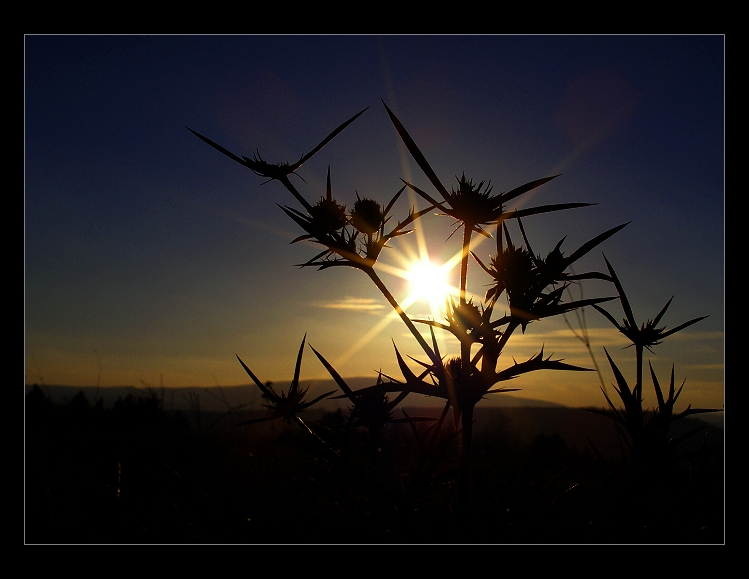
(525, 188)
(622, 296)
(335, 375)
(623, 386)
(416, 154)
(663, 311)
(218, 147)
(393, 200)
(682, 326)
(298, 367)
(657, 387)
(326, 140)
(544, 209)
(258, 383)
(586, 247)
(425, 195)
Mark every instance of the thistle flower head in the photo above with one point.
(470, 204)
(513, 271)
(453, 367)
(367, 215)
(647, 335)
(328, 215)
(262, 168)
(468, 322)
(372, 409)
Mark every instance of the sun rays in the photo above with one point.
(430, 284)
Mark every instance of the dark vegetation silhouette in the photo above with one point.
(372, 474)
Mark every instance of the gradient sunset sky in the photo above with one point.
(151, 258)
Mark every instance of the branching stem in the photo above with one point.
(396, 306)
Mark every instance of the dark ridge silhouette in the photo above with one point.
(218, 399)
(136, 473)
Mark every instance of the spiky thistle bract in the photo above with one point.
(647, 432)
(284, 405)
(467, 322)
(473, 205)
(525, 278)
(278, 171)
(647, 335)
(371, 407)
(358, 241)
(327, 214)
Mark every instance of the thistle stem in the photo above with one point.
(465, 345)
(506, 335)
(466, 412)
(406, 320)
(467, 230)
(291, 189)
(464, 495)
(638, 383)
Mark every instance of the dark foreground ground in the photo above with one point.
(135, 473)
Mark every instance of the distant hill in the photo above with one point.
(218, 399)
(523, 417)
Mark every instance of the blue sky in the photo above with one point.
(151, 258)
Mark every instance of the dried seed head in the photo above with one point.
(467, 316)
(372, 410)
(513, 270)
(367, 215)
(328, 214)
(472, 205)
(453, 367)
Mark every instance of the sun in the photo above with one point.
(429, 283)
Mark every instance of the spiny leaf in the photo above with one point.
(219, 147)
(663, 311)
(326, 140)
(622, 296)
(332, 371)
(682, 326)
(298, 367)
(537, 362)
(623, 386)
(258, 383)
(416, 153)
(657, 387)
(525, 188)
(689, 411)
(393, 200)
(544, 209)
(405, 370)
(586, 247)
(425, 195)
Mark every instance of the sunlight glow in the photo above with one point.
(428, 285)
(429, 282)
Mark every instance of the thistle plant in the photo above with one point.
(531, 285)
(278, 171)
(647, 434)
(523, 277)
(286, 405)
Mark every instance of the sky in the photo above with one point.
(151, 259)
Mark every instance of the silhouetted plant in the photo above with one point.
(473, 206)
(647, 434)
(533, 287)
(285, 405)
